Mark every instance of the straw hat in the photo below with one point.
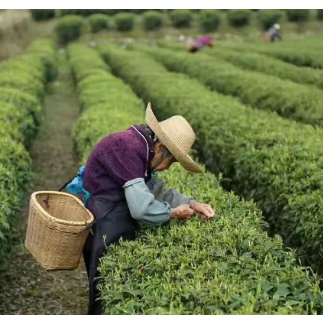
(277, 26)
(177, 135)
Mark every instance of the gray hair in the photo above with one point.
(153, 137)
(149, 132)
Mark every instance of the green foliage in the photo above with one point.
(22, 81)
(44, 48)
(298, 15)
(181, 18)
(239, 17)
(69, 28)
(25, 83)
(272, 160)
(319, 14)
(98, 22)
(85, 63)
(42, 14)
(82, 12)
(271, 65)
(225, 266)
(22, 111)
(88, 12)
(269, 17)
(124, 21)
(209, 20)
(100, 95)
(295, 101)
(152, 20)
(299, 54)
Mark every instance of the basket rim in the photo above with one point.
(56, 220)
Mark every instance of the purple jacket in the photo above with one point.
(120, 158)
(117, 159)
(203, 41)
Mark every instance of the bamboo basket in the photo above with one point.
(58, 226)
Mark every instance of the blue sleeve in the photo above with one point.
(142, 203)
(169, 195)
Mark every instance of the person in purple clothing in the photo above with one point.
(200, 42)
(121, 190)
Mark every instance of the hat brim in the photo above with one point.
(185, 160)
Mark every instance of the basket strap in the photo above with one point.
(47, 199)
(66, 184)
(78, 174)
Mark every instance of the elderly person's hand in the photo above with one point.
(204, 211)
(182, 212)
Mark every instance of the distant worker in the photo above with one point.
(181, 38)
(273, 34)
(200, 42)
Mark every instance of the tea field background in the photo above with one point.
(70, 77)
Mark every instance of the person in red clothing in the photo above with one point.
(200, 42)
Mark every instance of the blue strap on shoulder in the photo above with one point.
(86, 197)
(76, 185)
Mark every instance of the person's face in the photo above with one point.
(159, 160)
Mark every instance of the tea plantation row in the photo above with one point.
(274, 161)
(289, 99)
(224, 266)
(22, 89)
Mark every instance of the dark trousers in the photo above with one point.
(193, 49)
(112, 221)
(95, 306)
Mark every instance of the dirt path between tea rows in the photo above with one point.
(26, 288)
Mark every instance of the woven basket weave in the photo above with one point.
(58, 226)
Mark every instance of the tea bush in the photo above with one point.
(275, 162)
(271, 65)
(269, 17)
(22, 87)
(152, 20)
(69, 28)
(99, 92)
(297, 15)
(298, 54)
(98, 22)
(181, 18)
(84, 63)
(88, 12)
(42, 14)
(124, 21)
(209, 20)
(319, 14)
(239, 17)
(258, 58)
(225, 266)
(289, 99)
(21, 110)
(43, 48)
